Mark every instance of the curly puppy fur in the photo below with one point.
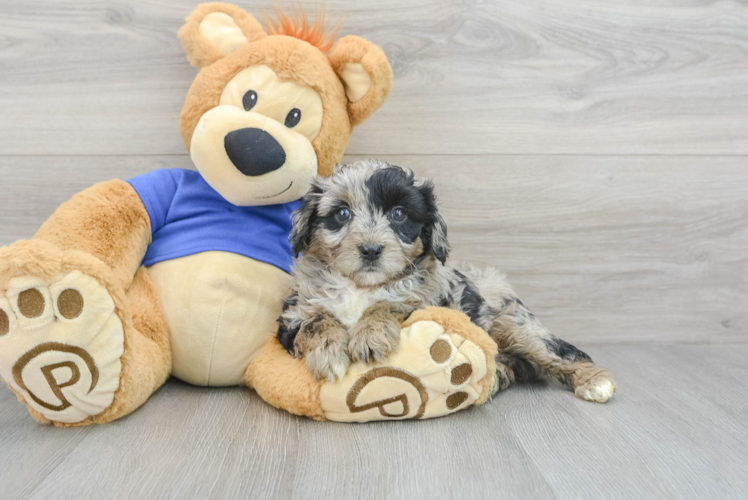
(324, 344)
(374, 248)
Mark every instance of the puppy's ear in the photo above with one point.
(439, 241)
(435, 231)
(304, 219)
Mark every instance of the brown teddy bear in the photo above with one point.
(183, 273)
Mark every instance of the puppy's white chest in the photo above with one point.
(350, 304)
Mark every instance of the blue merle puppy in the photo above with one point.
(373, 249)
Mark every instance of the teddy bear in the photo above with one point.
(183, 272)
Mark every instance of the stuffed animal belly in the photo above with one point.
(221, 308)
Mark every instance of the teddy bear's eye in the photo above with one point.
(293, 118)
(249, 100)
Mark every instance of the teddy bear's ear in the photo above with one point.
(215, 30)
(365, 73)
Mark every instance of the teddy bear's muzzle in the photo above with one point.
(253, 151)
(251, 159)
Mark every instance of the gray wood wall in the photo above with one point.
(594, 150)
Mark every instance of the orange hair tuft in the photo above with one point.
(297, 26)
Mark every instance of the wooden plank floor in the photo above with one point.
(595, 151)
(675, 429)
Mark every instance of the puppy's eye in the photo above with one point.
(342, 214)
(398, 214)
(293, 118)
(249, 100)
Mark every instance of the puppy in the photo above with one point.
(374, 248)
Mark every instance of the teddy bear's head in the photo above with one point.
(270, 110)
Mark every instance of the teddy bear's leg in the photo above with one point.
(146, 363)
(107, 221)
(284, 381)
(443, 364)
(70, 345)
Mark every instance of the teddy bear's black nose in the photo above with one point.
(253, 151)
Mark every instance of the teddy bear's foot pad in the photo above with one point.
(432, 373)
(60, 345)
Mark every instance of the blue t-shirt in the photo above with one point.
(188, 217)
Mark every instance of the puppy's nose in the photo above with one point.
(370, 251)
(253, 151)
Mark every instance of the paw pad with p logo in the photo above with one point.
(60, 345)
(432, 373)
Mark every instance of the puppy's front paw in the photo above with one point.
(372, 340)
(323, 342)
(328, 361)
